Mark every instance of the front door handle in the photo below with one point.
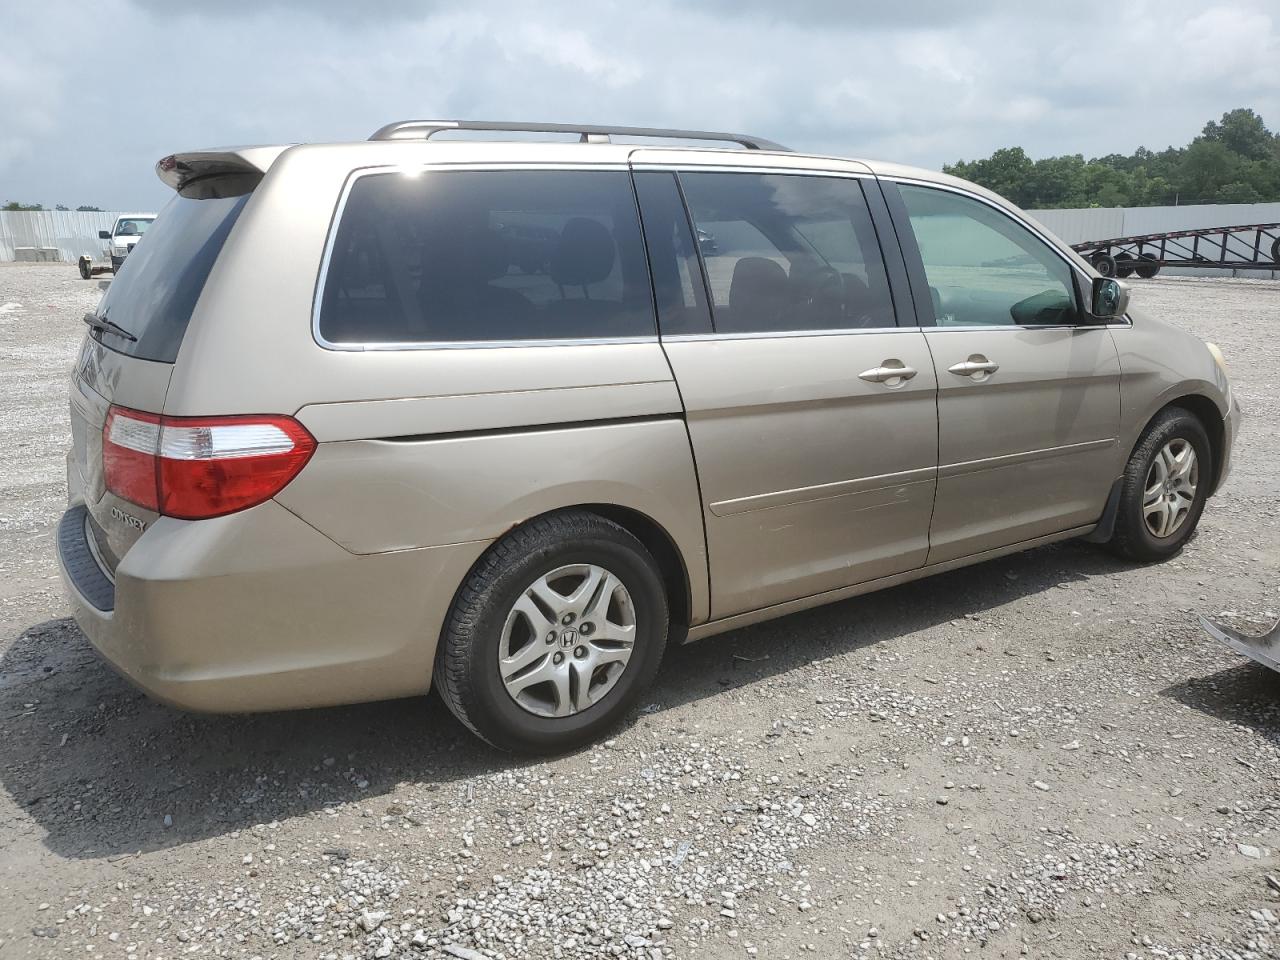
(890, 372)
(977, 366)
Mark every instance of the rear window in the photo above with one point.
(156, 290)
(451, 256)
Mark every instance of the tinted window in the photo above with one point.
(983, 267)
(157, 288)
(673, 261)
(487, 255)
(786, 253)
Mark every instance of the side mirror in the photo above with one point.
(1110, 298)
(104, 234)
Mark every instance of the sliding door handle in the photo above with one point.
(891, 372)
(977, 366)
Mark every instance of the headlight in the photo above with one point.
(1216, 352)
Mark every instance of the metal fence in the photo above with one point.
(52, 234)
(1106, 223)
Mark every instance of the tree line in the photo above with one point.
(1234, 160)
(13, 206)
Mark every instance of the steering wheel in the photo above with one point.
(824, 285)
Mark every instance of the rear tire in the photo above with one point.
(1125, 265)
(1165, 485)
(515, 622)
(1150, 268)
(1105, 264)
(86, 266)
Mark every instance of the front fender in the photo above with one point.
(1159, 364)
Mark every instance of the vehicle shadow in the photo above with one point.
(99, 767)
(749, 654)
(1246, 695)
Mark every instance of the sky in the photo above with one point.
(92, 94)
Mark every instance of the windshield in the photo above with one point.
(133, 227)
(156, 290)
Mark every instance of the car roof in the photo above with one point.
(412, 152)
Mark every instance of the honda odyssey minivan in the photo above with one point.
(510, 417)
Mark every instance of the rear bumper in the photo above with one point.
(259, 611)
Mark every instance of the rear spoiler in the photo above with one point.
(181, 170)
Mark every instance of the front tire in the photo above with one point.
(556, 632)
(1164, 489)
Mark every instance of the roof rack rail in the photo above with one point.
(587, 133)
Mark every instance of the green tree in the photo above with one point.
(1206, 167)
(1056, 182)
(1237, 192)
(14, 206)
(1243, 133)
(88, 209)
(1005, 172)
(1234, 160)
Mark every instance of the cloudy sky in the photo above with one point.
(93, 93)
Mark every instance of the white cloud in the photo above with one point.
(922, 81)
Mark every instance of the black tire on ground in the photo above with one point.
(85, 268)
(1125, 264)
(1150, 268)
(467, 661)
(1105, 264)
(1132, 539)
(116, 264)
(1275, 250)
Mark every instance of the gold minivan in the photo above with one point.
(512, 416)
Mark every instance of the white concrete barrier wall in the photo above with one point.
(69, 232)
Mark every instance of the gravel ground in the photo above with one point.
(1042, 755)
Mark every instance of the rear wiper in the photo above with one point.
(108, 326)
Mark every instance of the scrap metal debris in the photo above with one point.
(1264, 649)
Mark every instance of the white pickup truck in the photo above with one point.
(128, 229)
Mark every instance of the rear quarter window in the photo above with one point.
(156, 290)
(472, 256)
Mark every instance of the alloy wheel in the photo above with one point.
(1170, 490)
(567, 640)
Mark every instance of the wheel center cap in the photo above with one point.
(568, 638)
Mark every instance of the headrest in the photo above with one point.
(754, 279)
(584, 255)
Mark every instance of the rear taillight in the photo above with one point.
(198, 467)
